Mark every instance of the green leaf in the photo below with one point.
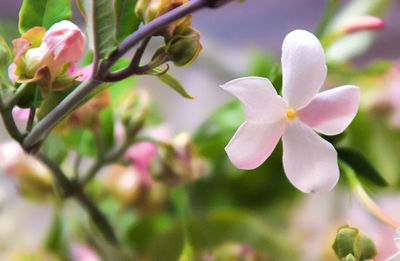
(361, 165)
(127, 22)
(55, 148)
(43, 13)
(347, 242)
(172, 82)
(368, 248)
(100, 24)
(55, 239)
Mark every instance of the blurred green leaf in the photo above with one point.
(27, 100)
(100, 24)
(43, 13)
(361, 165)
(187, 253)
(55, 148)
(55, 239)
(171, 82)
(127, 22)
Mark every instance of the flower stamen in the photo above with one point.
(291, 114)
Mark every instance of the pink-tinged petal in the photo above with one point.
(259, 97)
(20, 114)
(310, 162)
(141, 153)
(303, 68)
(83, 72)
(11, 70)
(396, 257)
(83, 253)
(253, 143)
(21, 45)
(66, 41)
(331, 111)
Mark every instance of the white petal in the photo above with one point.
(310, 162)
(253, 143)
(259, 97)
(303, 68)
(330, 112)
(396, 257)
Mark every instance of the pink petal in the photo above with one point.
(303, 68)
(310, 162)
(330, 112)
(141, 153)
(66, 41)
(85, 72)
(20, 114)
(396, 257)
(259, 97)
(11, 70)
(253, 143)
(83, 253)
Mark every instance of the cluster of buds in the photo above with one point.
(182, 43)
(44, 56)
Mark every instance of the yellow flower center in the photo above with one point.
(291, 114)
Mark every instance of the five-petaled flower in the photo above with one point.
(309, 161)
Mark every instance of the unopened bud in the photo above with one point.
(147, 10)
(181, 162)
(363, 23)
(88, 115)
(134, 109)
(350, 245)
(183, 49)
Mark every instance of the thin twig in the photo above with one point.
(9, 123)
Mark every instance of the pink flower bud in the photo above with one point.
(363, 23)
(66, 41)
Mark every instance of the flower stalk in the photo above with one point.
(366, 200)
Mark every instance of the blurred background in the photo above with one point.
(259, 208)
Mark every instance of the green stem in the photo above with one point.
(32, 112)
(329, 12)
(366, 200)
(17, 95)
(9, 123)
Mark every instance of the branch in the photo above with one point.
(9, 123)
(59, 113)
(71, 189)
(154, 26)
(83, 90)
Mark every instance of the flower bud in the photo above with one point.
(363, 23)
(43, 56)
(134, 109)
(180, 161)
(147, 10)
(33, 178)
(350, 244)
(183, 49)
(88, 115)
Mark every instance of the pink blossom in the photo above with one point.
(83, 253)
(309, 161)
(396, 257)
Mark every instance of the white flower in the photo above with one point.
(309, 161)
(396, 257)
